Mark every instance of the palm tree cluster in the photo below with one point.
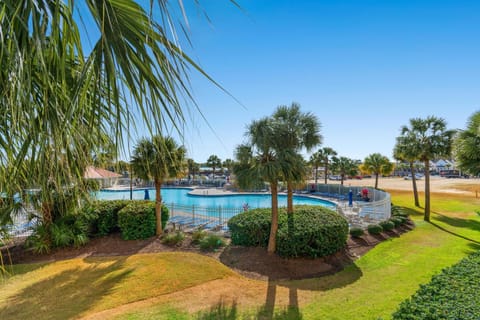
(272, 154)
(424, 140)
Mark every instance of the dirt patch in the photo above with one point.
(251, 262)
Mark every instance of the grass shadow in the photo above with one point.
(458, 222)
(453, 233)
(65, 295)
(222, 310)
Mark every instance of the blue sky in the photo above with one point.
(363, 67)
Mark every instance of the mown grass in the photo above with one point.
(370, 288)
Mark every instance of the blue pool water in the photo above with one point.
(180, 196)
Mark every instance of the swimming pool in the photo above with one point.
(180, 196)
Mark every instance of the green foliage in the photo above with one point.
(311, 231)
(211, 242)
(452, 294)
(251, 228)
(39, 241)
(387, 225)
(356, 232)
(173, 239)
(106, 213)
(137, 220)
(397, 221)
(198, 235)
(398, 211)
(374, 229)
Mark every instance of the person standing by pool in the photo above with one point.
(365, 194)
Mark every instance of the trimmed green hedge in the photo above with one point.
(106, 212)
(452, 294)
(137, 220)
(312, 231)
(356, 232)
(374, 229)
(387, 225)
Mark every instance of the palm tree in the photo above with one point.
(344, 167)
(257, 161)
(228, 163)
(214, 162)
(377, 164)
(59, 100)
(323, 157)
(294, 131)
(158, 159)
(405, 150)
(467, 146)
(432, 140)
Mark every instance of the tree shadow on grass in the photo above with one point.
(67, 294)
(457, 223)
(222, 310)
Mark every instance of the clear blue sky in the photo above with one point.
(363, 67)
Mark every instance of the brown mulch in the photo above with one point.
(252, 262)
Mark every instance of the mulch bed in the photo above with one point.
(251, 262)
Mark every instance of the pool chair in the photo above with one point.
(199, 222)
(212, 225)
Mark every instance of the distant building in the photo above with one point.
(105, 178)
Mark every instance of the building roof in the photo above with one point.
(99, 173)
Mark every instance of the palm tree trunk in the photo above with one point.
(325, 171)
(47, 213)
(158, 205)
(316, 177)
(272, 240)
(427, 191)
(289, 197)
(376, 180)
(342, 176)
(414, 182)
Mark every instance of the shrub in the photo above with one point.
(211, 242)
(198, 235)
(312, 231)
(356, 232)
(387, 225)
(106, 212)
(399, 211)
(251, 228)
(452, 294)
(137, 220)
(396, 221)
(374, 229)
(173, 239)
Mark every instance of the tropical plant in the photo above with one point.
(377, 164)
(344, 167)
(322, 158)
(294, 131)
(257, 161)
(432, 140)
(405, 150)
(214, 162)
(59, 102)
(192, 168)
(228, 163)
(158, 159)
(467, 146)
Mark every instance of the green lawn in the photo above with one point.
(177, 285)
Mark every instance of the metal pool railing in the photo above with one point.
(215, 214)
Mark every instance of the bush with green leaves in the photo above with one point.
(174, 238)
(312, 231)
(374, 229)
(137, 220)
(356, 232)
(211, 242)
(397, 221)
(198, 235)
(452, 294)
(387, 225)
(106, 212)
(398, 211)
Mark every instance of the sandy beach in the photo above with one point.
(437, 184)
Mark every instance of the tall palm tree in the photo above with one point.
(432, 140)
(214, 162)
(377, 164)
(294, 130)
(158, 159)
(467, 146)
(228, 163)
(59, 100)
(405, 150)
(258, 160)
(344, 167)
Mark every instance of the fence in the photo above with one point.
(219, 214)
(377, 208)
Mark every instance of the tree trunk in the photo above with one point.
(272, 240)
(414, 182)
(376, 180)
(342, 176)
(427, 191)
(325, 171)
(316, 177)
(47, 213)
(289, 197)
(158, 206)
